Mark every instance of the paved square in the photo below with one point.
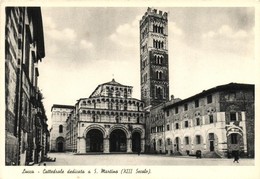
(70, 159)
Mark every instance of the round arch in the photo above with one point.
(136, 140)
(95, 126)
(177, 143)
(60, 144)
(137, 129)
(121, 127)
(94, 140)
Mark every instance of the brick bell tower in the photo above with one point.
(154, 57)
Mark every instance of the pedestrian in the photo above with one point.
(139, 151)
(236, 156)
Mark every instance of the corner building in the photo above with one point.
(26, 129)
(217, 122)
(58, 130)
(110, 120)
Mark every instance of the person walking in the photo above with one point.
(236, 156)
(139, 150)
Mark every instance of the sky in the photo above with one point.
(88, 46)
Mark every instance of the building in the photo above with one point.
(154, 64)
(154, 57)
(110, 120)
(214, 122)
(25, 121)
(59, 115)
(217, 122)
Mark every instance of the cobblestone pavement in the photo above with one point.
(70, 159)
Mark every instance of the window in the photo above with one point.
(117, 119)
(187, 140)
(196, 103)
(60, 128)
(176, 110)
(209, 99)
(177, 125)
(168, 127)
(233, 116)
(158, 44)
(159, 75)
(138, 121)
(159, 92)
(197, 121)
(211, 119)
(233, 138)
(186, 124)
(153, 130)
(158, 59)
(160, 142)
(167, 112)
(211, 136)
(185, 107)
(169, 141)
(198, 139)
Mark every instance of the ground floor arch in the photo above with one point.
(136, 142)
(94, 141)
(117, 141)
(60, 144)
(177, 142)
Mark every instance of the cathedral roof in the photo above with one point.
(113, 82)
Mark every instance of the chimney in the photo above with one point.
(165, 14)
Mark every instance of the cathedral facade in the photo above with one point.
(110, 120)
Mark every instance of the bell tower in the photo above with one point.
(154, 57)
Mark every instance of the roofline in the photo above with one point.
(107, 83)
(108, 97)
(62, 106)
(229, 86)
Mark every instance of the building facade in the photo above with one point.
(58, 131)
(26, 133)
(110, 120)
(215, 122)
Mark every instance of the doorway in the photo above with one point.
(136, 142)
(211, 145)
(60, 146)
(177, 143)
(117, 141)
(94, 141)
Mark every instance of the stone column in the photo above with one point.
(106, 145)
(82, 145)
(142, 145)
(243, 124)
(129, 145)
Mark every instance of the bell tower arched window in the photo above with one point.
(60, 128)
